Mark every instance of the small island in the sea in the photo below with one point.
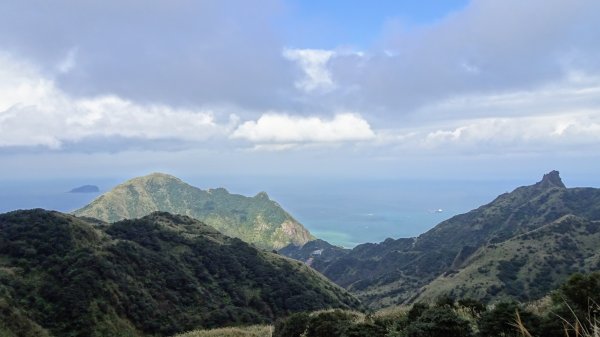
(85, 189)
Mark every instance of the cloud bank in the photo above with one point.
(34, 112)
(495, 77)
(278, 128)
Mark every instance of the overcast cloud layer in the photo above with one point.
(493, 78)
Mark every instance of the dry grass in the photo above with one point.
(393, 312)
(589, 327)
(249, 331)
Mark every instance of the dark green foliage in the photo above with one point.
(508, 274)
(417, 311)
(449, 319)
(551, 325)
(365, 329)
(502, 320)
(328, 252)
(13, 321)
(445, 301)
(158, 275)
(439, 322)
(577, 299)
(580, 292)
(335, 323)
(292, 326)
(475, 306)
(329, 324)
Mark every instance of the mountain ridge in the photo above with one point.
(162, 274)
(396, 271)
(257, 220)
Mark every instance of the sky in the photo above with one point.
(454, 89)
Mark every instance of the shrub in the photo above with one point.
(439, 322)
(292, 326)
(502, 320)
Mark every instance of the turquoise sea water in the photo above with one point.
(343, 212)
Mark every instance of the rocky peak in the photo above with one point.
(262, 195)
(551, 179)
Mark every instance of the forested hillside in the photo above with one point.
(66, 276)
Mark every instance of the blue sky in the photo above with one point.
(400, 89)
(357, 23)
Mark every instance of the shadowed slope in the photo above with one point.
(158, 275)
(394, 271)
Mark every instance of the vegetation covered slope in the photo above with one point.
(256, 220)
(570, 310)
(317, 250)
(524, 267)
(395, 271)
(158, 275)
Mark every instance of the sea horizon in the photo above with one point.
(345, 212)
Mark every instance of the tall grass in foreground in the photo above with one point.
(249, 331)
(576, 327)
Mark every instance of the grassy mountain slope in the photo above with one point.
(159, 275)
(394, 271)
(256, 220)
(524, 267)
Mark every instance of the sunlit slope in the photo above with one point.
(524, 267)
(257, 220)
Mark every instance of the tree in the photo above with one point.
(292, 326)
(439, 322)
(502, 320)
(580, 292)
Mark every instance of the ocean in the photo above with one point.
(345, 212)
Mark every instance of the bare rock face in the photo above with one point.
(551, 179)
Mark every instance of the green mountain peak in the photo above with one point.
(257, 220)
(155, 178)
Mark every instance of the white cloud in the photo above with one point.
(576, 91)
(551, 131)
(34, 112)
(20, 82)
(314, 65)
(68, 62)
(561, 117)
(282, 128)
(557, 131)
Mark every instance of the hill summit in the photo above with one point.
(158, 275)
(257, 220)
(521, 245)
(551, 179)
